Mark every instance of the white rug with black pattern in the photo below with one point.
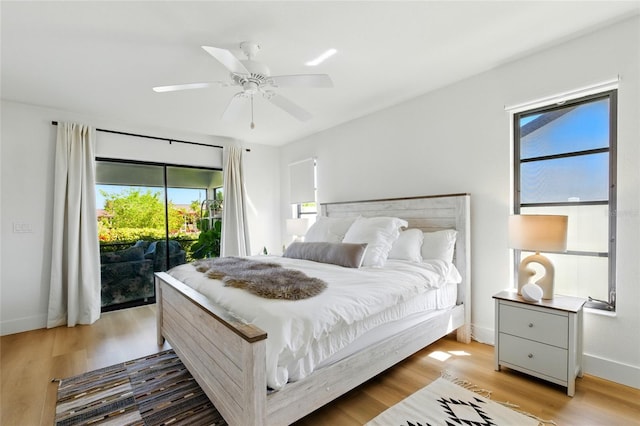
(444, 403)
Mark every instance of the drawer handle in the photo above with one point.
(530, 325)
(530, 355)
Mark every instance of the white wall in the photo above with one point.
(262, 177)
(457, 139)
(27, 159)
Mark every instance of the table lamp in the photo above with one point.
(538, 233)
(297, 227)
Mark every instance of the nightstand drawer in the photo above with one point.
(535, 325)
(535, 357)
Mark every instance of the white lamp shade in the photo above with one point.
(538, 232)
(297, 227)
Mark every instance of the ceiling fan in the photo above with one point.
(255, 79)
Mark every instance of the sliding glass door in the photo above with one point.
(151, 218)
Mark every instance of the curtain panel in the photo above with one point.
(235, 230)
(74, 294)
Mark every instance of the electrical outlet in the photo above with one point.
(22, 228)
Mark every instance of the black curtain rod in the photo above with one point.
(55, 123)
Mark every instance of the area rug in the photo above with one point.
(445, 403)
(154, 390)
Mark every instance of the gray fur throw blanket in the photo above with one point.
(264, 279)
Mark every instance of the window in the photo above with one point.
(307, 210)
(302, 176)
(151, 217)
(565, 163)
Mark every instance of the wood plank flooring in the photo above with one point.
(30, 360)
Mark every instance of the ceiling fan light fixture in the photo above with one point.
(250, 87)
(320, 59)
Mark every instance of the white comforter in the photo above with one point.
(351, 297)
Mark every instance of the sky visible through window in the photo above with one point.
(567, 130)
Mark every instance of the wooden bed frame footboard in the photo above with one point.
(227, 357)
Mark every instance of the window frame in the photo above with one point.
(301, 214)
(612, 96)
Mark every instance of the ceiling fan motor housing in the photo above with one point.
(258, 77)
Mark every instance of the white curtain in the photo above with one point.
(235, 231)
(74, 295)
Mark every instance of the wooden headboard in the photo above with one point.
(428, 213)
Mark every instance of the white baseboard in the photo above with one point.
(483, 335)
(23, 324)
(625, 374)
(615, 371)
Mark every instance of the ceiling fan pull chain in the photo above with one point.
(252, 124)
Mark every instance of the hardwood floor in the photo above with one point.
(30, 360)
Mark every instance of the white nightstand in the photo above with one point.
(543, 339)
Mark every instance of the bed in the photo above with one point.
(227, 356)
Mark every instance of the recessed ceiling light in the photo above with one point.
(321, 58)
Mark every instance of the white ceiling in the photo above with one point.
(103, 58)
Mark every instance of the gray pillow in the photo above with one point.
(349, 255)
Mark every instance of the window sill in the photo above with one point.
(601, 312)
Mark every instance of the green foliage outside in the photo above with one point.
(134, 208)
(134, 215)
(210, 238)
(107, 234)
(208, 244)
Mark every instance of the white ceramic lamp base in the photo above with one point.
(526, 275)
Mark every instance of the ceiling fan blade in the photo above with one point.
(288, 106)
(302, 80)
(234, 107)
(187, 86)
(227, 59)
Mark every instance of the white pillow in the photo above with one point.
(328, 229)
(379, 233)
(408, 246)
(439, 245)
